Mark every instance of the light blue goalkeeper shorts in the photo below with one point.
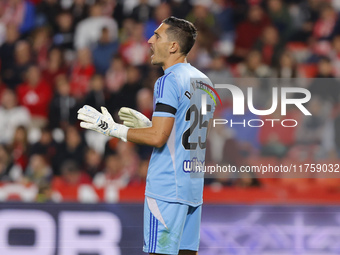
(170, 227)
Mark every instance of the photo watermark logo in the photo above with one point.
(239, 105)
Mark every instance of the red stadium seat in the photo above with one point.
(307, 70)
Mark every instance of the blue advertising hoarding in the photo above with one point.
(116, 229)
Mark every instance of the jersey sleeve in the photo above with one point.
(167, 96)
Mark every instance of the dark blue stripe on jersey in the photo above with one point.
(162, 86)
(159, 86)
(154, 250)
(163, 81)
(153, 234)
(150, 232)
(165, 108)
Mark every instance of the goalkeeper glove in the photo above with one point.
(101, 122)
(134, 119)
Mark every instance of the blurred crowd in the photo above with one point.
(56, 55)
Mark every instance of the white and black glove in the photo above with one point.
(101, 122)
(134, 119)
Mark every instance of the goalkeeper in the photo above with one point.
(173, 203)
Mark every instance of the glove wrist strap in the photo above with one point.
(120, 132)
(123, 133)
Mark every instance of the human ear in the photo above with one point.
(174, 47)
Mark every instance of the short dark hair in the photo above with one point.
(324, 59)
(70, 166)
(182, 31)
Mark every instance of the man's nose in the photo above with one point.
(150, 41)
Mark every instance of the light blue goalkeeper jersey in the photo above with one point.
(171, 175)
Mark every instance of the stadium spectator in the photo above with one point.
(201, 16)
(9, 171)
(35, 94)
(11, 116)
(270, 45)
(161, 12)
(286, 68)
(325, 85)
(20, 147)
(68, 183)
(72, 148)
(88, 31)
(277, 140)
(104, 51)
(142, 12)
(223, 148)
(116, 75)
(41, 43)
(287, 72)
(307, 15)
(23, 59)
(113, 174)
(313, 134)
(47, 12)
(129, 157)
(180, 9)
(63, 106)
(219, 72)
(38, 170)
(47, 194)
(126, 30)
(324, 30)
(150, 76)
(201, 53)
(72, 174)
(140, 176)
(248, 31)
(281, 18)
(127, 95)
(224, 17)
(247, 137)
(81, 73)
(119, 13)
(136, 50)
(253, 66)
(144, 102)
(7, 49)
(111, 147)
(93, 163)
(64, 34)
(55, 66)
(108, 7)
(46, 146)
(79, 10)
(205, 42)
(96, 97)
(20, 13)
